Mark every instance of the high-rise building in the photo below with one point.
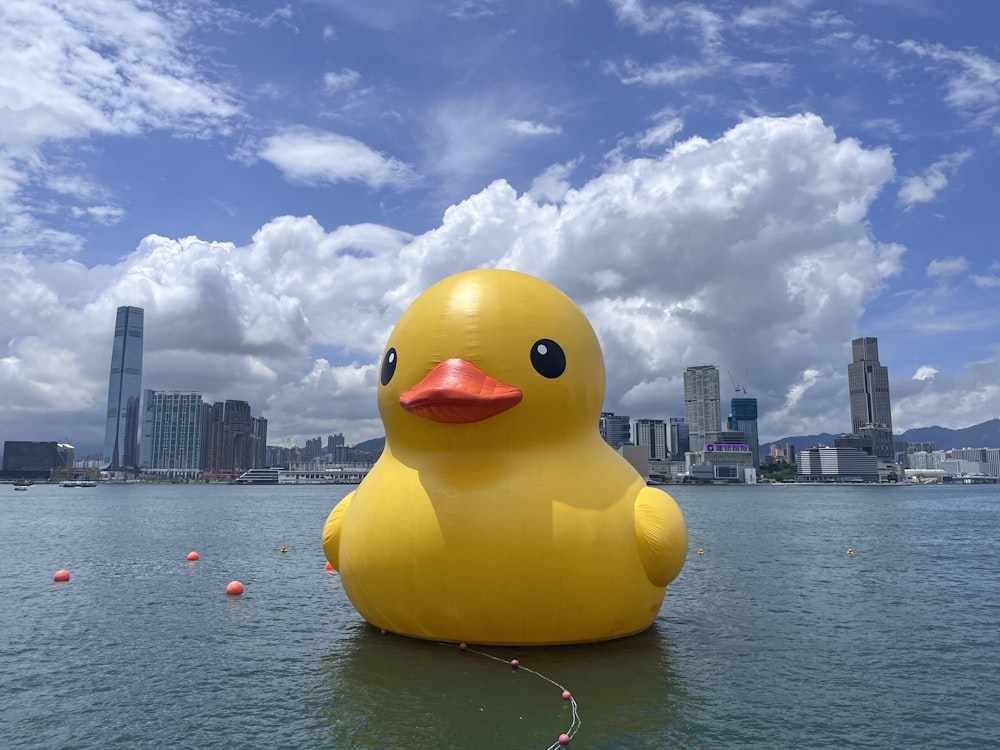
(652, 433)
(616, 429)
(702, 404)
(230, 443)
(121, 435)
(743, 418)
(680, 438)
(173, 431)
(258, 448)
(871, 410)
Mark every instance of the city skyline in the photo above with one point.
(754, 186)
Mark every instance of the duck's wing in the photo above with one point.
(332, 528)
(661, 534)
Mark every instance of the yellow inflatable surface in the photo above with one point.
(497, 514)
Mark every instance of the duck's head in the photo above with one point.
(490, 359)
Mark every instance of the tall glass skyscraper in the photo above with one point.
(121, 436)
(743, 418)
(871, 410)
(702, 404)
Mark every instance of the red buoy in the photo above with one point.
(61, 576)
(329, 566)
(192, 556)
(235, 588)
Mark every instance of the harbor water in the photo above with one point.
(805, 617)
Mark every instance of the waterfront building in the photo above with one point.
(30, 459)
(841, 465)
(871, 409)
(861, 443)
(258, 443)
(743, 418)
(229, 443)
(173, 431)
(652, 433)
(616, 429)
(987, 458)
(702, 404)
(121, 433)
(680, 438)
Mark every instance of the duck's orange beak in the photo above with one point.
(458, 392)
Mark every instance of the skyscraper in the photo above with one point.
(229, 438)
(172, 434)
(871, 411)
(616, 429)
(652, 433)
(680, 438)
(702, 404)
(121, 435)
(743, 418)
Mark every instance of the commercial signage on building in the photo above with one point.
(677, 420)
(727, 447)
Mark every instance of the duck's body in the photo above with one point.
(520, 527)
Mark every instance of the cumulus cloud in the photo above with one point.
(317, 157)
(751, 251)
(925, 372)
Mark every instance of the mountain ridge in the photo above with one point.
(982, 435)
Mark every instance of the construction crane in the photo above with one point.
(736, 386)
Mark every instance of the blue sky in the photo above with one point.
(748, 185)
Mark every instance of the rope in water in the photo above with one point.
(575, 723)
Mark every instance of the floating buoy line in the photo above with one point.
(515, 664)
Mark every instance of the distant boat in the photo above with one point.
(22, 487)
(22, 484)
(78, 483)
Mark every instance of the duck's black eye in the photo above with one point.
(548, 358)
(388, 367)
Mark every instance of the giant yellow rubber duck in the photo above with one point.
(497, 514)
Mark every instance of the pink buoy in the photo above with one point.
(192, 556)
(567, 695)
(235, 588)
(383, 631)
(463, 646)
(515, 663)
(563, 739)
(61, 576)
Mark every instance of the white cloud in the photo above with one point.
(925, 188)
(317, 157)
(552, 184)
(925, 372)
(972, 79)
(751, 250)
(662, 133)
(946, 266)
(344, 79)
(122, 69)
(529, 128)
(986, 282)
